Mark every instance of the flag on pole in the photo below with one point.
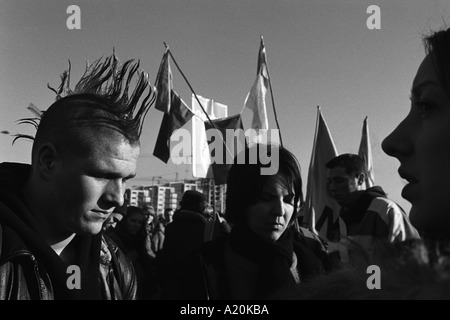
(231, 131)
(201, 159)
(256, 98)
(178, 116)
(215, 110)
(164, 84)
(319, 206)
(365, 152)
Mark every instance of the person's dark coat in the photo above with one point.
(29, 267)
(206, 273)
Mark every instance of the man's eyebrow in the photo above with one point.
(131, 176)
(115, 175)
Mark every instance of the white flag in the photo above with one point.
(201, 158)
(256, 98)
(365, 152)
(321, 213)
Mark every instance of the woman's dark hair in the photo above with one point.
(245, 181)
(437, 45)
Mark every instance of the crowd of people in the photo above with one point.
(67, 208)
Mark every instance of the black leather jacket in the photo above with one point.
(30, 270)
(22, 277)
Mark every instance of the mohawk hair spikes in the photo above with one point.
(33, 121)
(22, 136)
(65, 83)
(110, 80)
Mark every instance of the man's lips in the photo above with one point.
(102, 213)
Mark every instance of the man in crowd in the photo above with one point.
(369, 215)
(52, 211)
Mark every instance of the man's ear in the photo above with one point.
(46, 158)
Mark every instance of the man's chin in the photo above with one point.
(338, 200)
(91, 229)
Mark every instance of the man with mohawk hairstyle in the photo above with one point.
(52, 211)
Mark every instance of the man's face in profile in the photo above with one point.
(341, 185)
(168, 216)
(89, 184)
(209, 212)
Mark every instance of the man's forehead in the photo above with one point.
(337, 172)
(110, 154)
(106, 139)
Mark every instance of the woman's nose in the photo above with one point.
(398, 143)
(278, 207)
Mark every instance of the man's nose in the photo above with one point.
(114, 193)
(331, 186)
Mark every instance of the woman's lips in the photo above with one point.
(275, 225)
(410, 190)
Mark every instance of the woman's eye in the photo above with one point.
(289, 199)
(425, 108)
(266, 197)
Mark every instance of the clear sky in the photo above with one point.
(319, 52)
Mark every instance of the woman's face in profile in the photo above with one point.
(421, 143)
(270, 216)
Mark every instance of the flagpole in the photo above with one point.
(161, 65)
(214, 194)
(200, 104)
(190, 87)
(308, 219)
(271, 95)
